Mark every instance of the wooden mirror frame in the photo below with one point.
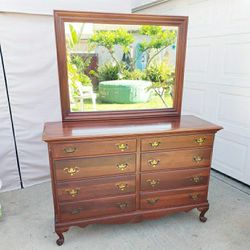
(60, 17)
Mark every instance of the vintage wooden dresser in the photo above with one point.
(120, 172)
(125, 161)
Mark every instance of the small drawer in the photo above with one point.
(180, 141)
(95, 188)
(97, 207)
(174, 179)
(87, 148)
(69, 169)
(176, 159)
(167, 199)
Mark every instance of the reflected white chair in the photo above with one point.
(85, 92)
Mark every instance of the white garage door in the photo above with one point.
(217, 78)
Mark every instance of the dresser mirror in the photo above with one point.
(115, 66)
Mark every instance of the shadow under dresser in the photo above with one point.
(119, 172)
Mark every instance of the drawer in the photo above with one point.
(97, 207)
(180, 141)
(174, 179)
(95, 188)
(176, 159)
(167, 199)
(87, 148)
(68, 169)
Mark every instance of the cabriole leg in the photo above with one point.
(60, 241)
(203, 210)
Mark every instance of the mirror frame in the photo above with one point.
(60, 17)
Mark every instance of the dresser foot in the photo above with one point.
(203, 210)
(60, 241)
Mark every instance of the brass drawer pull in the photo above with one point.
(73, 192)
(122, 166)
(197, 158)
(69, 150)
(122, 146)
(200, 140)
(76, 211)
(154, 144)
(152, 201)
(153, 182)
(123, 205)
(196, 179)
(195, 196)
(153, 163)
(71, 170)
(122, 186)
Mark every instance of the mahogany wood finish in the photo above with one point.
(97, 207)
(176, 179)
(176, 159)
(87, 167)
(95, 188)
(173, 198)
(61, 17)
(90, 187)
(88, 148)
(181, 141)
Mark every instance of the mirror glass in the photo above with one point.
(120, 67)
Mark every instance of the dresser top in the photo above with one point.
(55, 131)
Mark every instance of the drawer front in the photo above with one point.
(174, 179)
(95, 188)
(97, 208)
(172, 199)
(97, 166)
(180, 141)
(176, 159)
(88, 148)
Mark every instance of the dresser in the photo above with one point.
(120, 172)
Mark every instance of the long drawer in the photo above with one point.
(176, 159)
(68, 169)
(97, 207)
(167, 199)
(95, 188)
(174, 179)
(88, 148)
(177, 141)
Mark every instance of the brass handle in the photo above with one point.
(200, 140)
(196, 179)
(197, 158)
(73, 192)
(76, 211)
(195, 196)
(153, 182)
(71, 170)
(122, 146)
(152, 201)
(69, 150)
(122, 186)
(153, 163)
(154, 144)
(123, 205)
(122, 166)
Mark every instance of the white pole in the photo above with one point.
(0, 204)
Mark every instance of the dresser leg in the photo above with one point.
(60, 241)
(203, 210)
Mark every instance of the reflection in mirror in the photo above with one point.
(120, 67)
